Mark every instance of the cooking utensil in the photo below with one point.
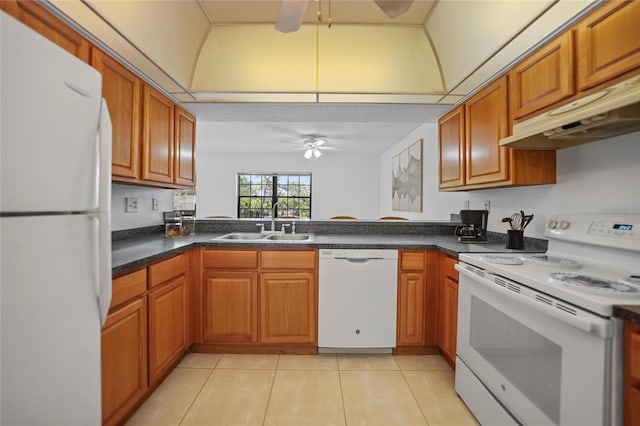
(508, 219)
(516, 221)
(527, 219)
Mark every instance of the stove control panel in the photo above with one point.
(615, 229)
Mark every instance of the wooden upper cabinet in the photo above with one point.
(608, 43)
(122, 90)
(157, 136)
(486, 122)
(451, 137)
(185, 146)
(48, 25)
(544, 78)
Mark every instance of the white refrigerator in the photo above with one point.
(55, 251)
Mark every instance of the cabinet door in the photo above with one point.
(121, 89)
(631, 374)
(230, 307)
(185, 160)
(450, 317)
(608, 43)
(411, 309)
(124, 360)
(44, 22)
(485, 124)
(288, 307)
(167, 327)
(544, 78)
(451, 137)
(157, 137)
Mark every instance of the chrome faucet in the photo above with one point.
(273, 217)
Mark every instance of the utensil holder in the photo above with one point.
(515, 240)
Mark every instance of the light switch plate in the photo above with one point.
(131, 205)
(154, 203)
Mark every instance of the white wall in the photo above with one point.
(599, 177)
(145, 216)
(340, 184)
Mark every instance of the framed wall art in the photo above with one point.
(406, 186)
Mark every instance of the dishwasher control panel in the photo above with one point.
(358, 254)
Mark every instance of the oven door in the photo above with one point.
(545, 361)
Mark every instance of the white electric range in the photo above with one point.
(537, 343)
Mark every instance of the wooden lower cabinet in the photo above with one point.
(288, 307)
(167, 327)
(260, 297)
(631, 374)
(230, 307)
(449, 308)
(411, 299)
(450, 318)
(124, 360)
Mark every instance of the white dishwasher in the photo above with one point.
(357, 300)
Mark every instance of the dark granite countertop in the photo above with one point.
(627, 313)
(129, 254)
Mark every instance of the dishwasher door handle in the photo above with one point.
(358, 259)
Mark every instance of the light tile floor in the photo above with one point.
(297, 390)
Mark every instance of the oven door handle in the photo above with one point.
(601, 328)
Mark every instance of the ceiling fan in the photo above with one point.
(292, 12)
(313, 144)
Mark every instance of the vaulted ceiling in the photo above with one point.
(229, 51)
(366, 82)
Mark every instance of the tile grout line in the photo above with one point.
(344, 408)
(414, 395)
(197, 395)
(273, 381)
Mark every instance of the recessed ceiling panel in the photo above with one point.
(257, 58)
(467, 33)
(168, 32)
(376, 59)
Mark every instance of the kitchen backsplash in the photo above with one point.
(146, 215)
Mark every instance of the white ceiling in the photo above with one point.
(274, 129)
(167, 42)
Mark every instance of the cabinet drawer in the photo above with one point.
(128, 286)
(447, 265)
(298, 259)
(165, 270)
(412, 261)
(230, 259)
(634, 355)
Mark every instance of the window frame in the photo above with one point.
(275, 196)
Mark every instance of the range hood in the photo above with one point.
(610, 112)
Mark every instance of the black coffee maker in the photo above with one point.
(474, 226)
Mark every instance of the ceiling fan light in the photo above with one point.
(317, 152)
(308, 153)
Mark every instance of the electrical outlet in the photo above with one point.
(466, 204)
(131, 205)
(154, 203)
(487, 205)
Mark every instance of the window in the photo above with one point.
(257, 193)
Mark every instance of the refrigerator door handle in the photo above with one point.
(104, 212)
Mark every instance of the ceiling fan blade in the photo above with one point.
(394, 8)
(291, 15)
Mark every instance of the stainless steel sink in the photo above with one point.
(290, 237)
(244, 236)
(251, 237)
